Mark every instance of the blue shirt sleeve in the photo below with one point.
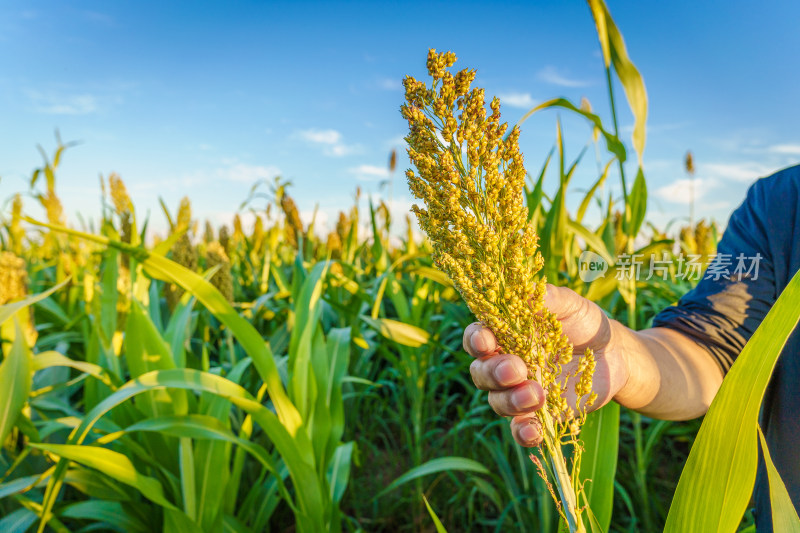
(722, 314)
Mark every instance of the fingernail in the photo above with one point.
(528, 433)
(479, 342)
(506, 373)
(525, 398)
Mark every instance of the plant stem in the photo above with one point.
(562, 477)
(629, 240)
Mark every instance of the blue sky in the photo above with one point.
(203, 99)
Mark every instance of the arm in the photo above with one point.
(659, 372)
(670, 376)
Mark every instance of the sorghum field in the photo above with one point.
(286, 377)
(353, 331)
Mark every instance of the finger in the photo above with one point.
(527, 430)
(498, 372)
(479, 341)
(583, 322)
(468, 331)
(523, 399)
(563, 302)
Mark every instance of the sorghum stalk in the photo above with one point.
(471, 178)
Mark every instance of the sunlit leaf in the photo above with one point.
(719, 475)
(399, 332)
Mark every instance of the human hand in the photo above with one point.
(505, 376)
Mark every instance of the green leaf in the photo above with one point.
(339, 470)
(8, 310)
(593, 241)
(612, 142)
(110, 512)
(600, 437)
(302, 386)
(113, 464)
(16, 486)
(591, 192)
(95, 485)
(15, 382)
(53, 359)
(784, 515)
(534, 198)
(399, 332)
(162, 268)
(638, 204)
(245, 333)
(311, 499)
(436, 522)
(440, 464)
(719, 475)
(615, 53)
(19, 521)
(433, 274)
(177, 522)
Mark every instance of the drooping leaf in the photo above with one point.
(114, 465)
(612, 142)
(434, 466)
(400, 332)
(616, 54)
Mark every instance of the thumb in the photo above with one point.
(582, 321)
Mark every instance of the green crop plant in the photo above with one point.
(324, 388)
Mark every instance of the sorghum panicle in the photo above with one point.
(471, 178)
(222, 279)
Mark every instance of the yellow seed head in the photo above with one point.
(470, 177)
(184, 218)
(13, 278)
(119, 194)
(222, 279)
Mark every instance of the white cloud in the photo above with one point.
(742, 172)
(60, 104)
(524, 100)
(330, 140)
(785, 149)
(679, 191)
(370, 172)
(551, 75)
(321, 136)
(244, 173)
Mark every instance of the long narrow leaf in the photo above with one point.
(114, 465)
(600, 437)
(784, 515)
(615, 53)
(434, 466)
(15, 382)
(719, 475)
(8, 310)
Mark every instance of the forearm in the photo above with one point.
(670, 376)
